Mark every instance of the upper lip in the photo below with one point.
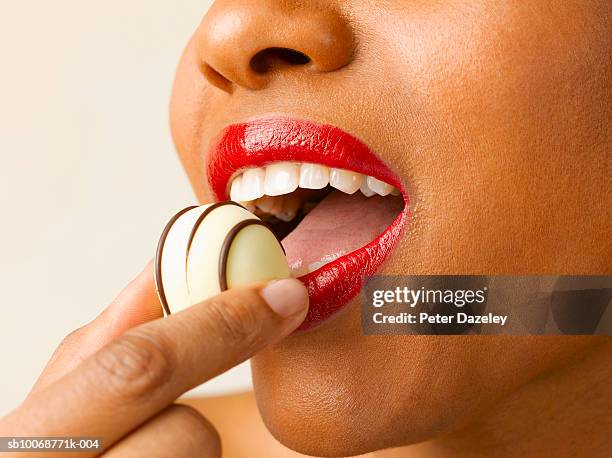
(264, 141)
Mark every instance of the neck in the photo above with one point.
(563, 413)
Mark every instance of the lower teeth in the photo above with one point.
(325, 260)
(285, 207)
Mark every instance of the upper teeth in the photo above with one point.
(285, 177)
(314, 176)
(281, 178)
(379, 187)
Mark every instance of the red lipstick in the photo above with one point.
(261, 142)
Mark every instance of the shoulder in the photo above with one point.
(240, 426)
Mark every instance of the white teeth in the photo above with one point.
(314, 176)
(379, 187)
(325, 260)
(281, 178)
(252, 184)
(235, 189)
(365, 189)
(286, 216)
(265, 204)
(291, 205)
(315, 265)
(297, 269)
(267, 188)
(345, 180)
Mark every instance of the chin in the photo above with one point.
(321, 393)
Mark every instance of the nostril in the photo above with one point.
(272, 58)
(215, 78)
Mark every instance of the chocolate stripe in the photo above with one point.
(204, 214)
(158, 258)
(227, 243)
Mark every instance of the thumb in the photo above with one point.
(136, 304)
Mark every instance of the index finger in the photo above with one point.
(147, 368)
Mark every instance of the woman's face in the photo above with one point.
(493, 116)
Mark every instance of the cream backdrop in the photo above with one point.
(87, 171)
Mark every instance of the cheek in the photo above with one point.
(488, 98)
(191, 98)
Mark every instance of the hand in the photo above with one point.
(118, 377)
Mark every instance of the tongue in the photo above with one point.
(339, 224)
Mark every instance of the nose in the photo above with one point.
(247, 42)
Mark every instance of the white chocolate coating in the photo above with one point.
(188, 262)
(173, 260)
(255, 246)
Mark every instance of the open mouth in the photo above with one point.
(336, 207)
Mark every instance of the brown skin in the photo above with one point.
(498, 126)
(495, 115)
(118, 377)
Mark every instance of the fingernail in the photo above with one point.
(286, 297)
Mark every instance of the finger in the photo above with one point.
(178, 431)
(147, 368)
(135, 305)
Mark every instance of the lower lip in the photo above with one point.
(332, 286)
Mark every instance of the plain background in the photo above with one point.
(88, 174)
